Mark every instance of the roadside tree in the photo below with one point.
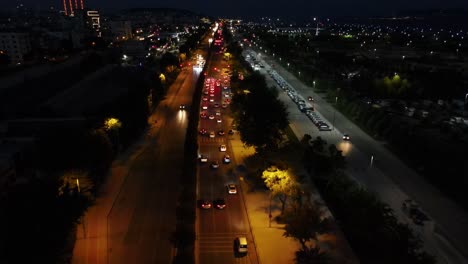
(304, 224)
(281, 184)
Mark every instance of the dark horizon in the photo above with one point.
(292, 9)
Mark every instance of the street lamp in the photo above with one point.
(288, 64)
(334, 113)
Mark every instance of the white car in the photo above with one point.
(227, 159)
(212, 134)
(219, 120)
(203, 159)
(215, 164)
(222, 148)
(211, 117)
(232, 189)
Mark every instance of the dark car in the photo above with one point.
(221, 132)
(215, 164)
(219, 203)
(346, 137)
(418, 216)
(204, 204)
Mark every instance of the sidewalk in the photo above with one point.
(91, 245)
(271, 245)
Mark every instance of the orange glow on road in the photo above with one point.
(345, 147)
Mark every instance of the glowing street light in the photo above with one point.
(334, 113)
(112, 123)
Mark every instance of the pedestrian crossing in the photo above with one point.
(217, 242)
(206, 139)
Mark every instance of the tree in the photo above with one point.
(281, 184)
(319, 144)
(306, 139)
(168, 62)
(304, 224)
(312, 255)
(259, 115)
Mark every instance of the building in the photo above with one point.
(15, 45)
(93, 21)
(69, 6)
(121, 29)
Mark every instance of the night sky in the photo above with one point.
(256, 8)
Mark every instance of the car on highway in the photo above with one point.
(219, 120)
(205, 107)
(204, 98)
(203, 131)
(203, 115)
(224, 105)
(227, 159)
(222, 148)
(221, 132)
(205, 204)
(323, 127)
(346, 137)
(241, 244)
(219, 203)
(182, 107)
(212, 134)
(218, 113)
(211, 117)
(310, 98)
(203, 159)
(231, 188)
(214, 164)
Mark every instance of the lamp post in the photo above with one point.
(288, 64)
(269, 213)
(334, 113)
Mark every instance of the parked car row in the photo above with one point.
(303, 105)
(413, 211)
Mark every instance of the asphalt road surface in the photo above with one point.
(141, 221)
(217, 228)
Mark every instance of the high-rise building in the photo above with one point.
(93, 20)
(69, 6)
(15, 44)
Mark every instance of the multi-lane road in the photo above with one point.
(218, 228)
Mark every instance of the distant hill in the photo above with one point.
(162, 10)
